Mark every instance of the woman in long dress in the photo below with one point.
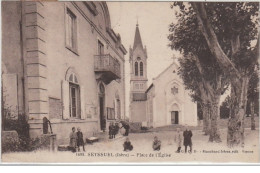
(73, 140)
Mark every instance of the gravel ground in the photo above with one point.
(112, 151)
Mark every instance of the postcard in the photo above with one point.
(121, 82)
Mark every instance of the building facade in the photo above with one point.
(62, 61)
(138, 79)
(168, 102)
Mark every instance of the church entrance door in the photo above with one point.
(174, 117)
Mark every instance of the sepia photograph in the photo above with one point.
(120, 82)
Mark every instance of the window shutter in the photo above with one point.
(65, 100)
(82, 102)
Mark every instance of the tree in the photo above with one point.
(199, 70)
(253, 96)
(198, 94)
(239, 60)
(229, 29)
(225, 108)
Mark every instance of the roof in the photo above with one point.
(137, 40)
(166, 70)
(149, 88)
(139, 97)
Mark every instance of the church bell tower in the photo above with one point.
(138, 79)
(138, 66)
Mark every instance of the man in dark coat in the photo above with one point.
(187, 134)
(80, 140)
(113, 130)
(116, 128)
(110, 131)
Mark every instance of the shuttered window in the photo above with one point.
(71, 31)
(74, 97)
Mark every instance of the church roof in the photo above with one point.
(149, 88)
(160, 75)
(166, 70)
(137, 40)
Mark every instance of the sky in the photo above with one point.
(154, 19)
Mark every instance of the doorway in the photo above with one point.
(175, 117)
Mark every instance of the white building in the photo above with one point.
(168, 102)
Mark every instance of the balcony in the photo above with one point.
(106, 68)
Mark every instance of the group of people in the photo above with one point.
(76, 140)
(115, 127)
(129, 147)
(187, 134)
(156, 145)
(113, 130)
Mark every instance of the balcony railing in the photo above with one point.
(108, 66)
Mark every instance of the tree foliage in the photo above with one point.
(226, 36)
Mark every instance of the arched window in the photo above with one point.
(141, 69)
(136, 68)
(74, 96)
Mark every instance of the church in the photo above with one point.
(165, 101)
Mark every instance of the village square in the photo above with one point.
(86, 82)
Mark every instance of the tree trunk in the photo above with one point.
(206, 117)
(214, 129)
(238, 108)
(252, 107)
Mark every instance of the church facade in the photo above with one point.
(165, 102)
(62, 61)
(168, 103)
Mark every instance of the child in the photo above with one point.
(127, 145)
(178, 139)
(80, 140)
(156, 144)
(73, 140)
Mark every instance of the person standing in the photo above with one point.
(110, 132)
(113, 130)
(127, 127)
(178, 139)
(73, 140)
(80, 140)
(187, 134)
(116, 128)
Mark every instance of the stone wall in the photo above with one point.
(138, 111)
(55, 108)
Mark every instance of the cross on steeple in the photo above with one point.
(137, 20)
